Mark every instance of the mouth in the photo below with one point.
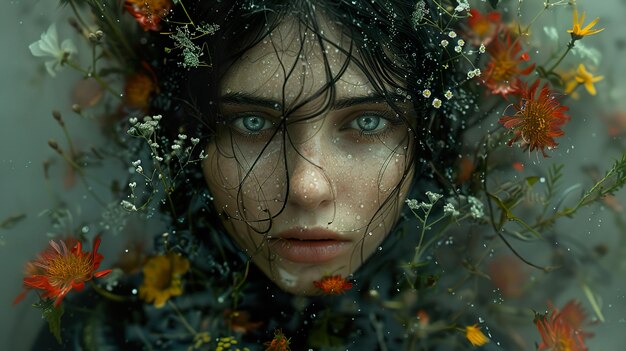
(309, 245)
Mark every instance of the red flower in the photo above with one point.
(333, 285)
(537, 119)
(503, 68)
(58, 270)
(562, 330)
(279, 343)
(148, 12)
(483, 27)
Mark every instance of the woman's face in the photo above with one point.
(310, 193)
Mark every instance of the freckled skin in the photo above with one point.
(331, 175)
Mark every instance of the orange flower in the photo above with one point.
(483, 27)
(57, 270)
(162, 278)
(239, 321)
(503, 71)
(577, 32)
(279, 343)
(475, 336)
(537, 119)
(333, 285)
(148, 12)
(562, 330)
(138, 89)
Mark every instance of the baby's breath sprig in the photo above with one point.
(184, 38)
(163, 154)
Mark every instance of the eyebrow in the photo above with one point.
(241, 98)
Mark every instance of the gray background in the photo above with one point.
(28, 94)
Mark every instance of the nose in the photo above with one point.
(310, 187)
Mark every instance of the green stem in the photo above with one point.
(182, 318)
(88, 74)
(569, 47)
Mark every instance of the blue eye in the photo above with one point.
(251, 124)
(369, 123)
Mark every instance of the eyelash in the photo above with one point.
(392, 122)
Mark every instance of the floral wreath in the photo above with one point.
(520, 101)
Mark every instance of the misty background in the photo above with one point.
(28, 95)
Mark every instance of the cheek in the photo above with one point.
(242, 182)
(370, 190)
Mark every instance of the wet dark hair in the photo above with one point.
(398, 58)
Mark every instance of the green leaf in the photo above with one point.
(11, 221)
(494, 3)
(53, 315)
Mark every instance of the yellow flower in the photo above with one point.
(162, 278)
(475, 336)
(584, 77)
(577, 32)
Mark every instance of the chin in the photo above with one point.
(297, 279)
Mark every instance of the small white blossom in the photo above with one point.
(462, 6)
(412, 203)
(132, 185)
(444, 43)
(136, 163)
(154, 145)
(448, 95)
(449, 209)
(426, 93)
(182, 136)
(476, 207)
(436, 103)
(133, 120)
(195, 141)
(471, 74)
(128, 206)
(425, 206)
(452, 34)
(157, 117)
(203, 155)
(139, 169)
(158, 158)
(175, 147)
(477, 72)
(458, 49)
(433, 197)
(460, 42)
(48, 46)
(482, 48)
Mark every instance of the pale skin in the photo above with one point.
(335, 170)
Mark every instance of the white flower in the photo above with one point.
(461, 42)
(463, 6)
(412, 203)
(476, 207)
(195, 141)
(436, 103)
(128, 206)
(444, 43)
(426, 93)
(482, 48)
(471, 74)
(449, 209)
(48, 46)
(433, 197)
(477, 72)
(448, 95)
(452, 34)
(457, 49)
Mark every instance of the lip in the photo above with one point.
(316, 245)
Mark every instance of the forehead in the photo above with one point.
(295, 63)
